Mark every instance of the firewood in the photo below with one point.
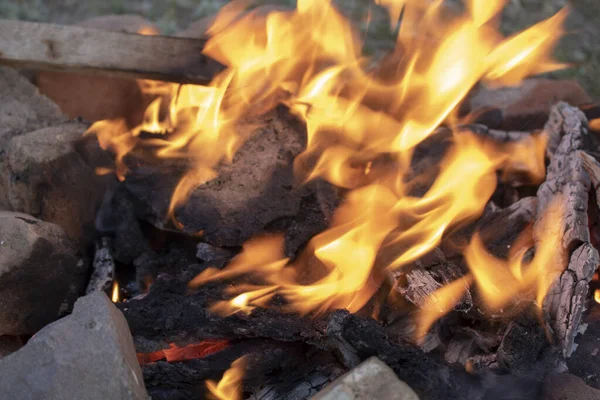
(46, 46)
(430, 273)
(568, 183)
(103, 267)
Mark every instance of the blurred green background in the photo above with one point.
(581, 47)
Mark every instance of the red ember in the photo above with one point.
(189, 352)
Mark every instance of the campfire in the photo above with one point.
(311, 213)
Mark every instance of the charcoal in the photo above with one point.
(275, 370)
(38, 265)
(87, 355)
(370, 380)
(9, 344)
(301, 388)
(168, 312)
(257, 188)
(205, 252)
(116, 218)
(313, 217)
(522, 345)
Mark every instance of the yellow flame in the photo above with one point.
(597, 295)
(440, 303)
(115, 292)
(230, 385)
(499, 281)
(310, 60)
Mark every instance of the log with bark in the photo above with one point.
(567, 185)
(42, 46)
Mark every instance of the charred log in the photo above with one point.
(568, 185)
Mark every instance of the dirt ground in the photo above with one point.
(581, 47)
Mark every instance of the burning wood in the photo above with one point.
(487, 255)
(568, 183)
(190, 352)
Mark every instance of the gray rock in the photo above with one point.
(38, 266)
(567, 387)
(370, 380)
(46, 176)
(22, 110)
(87, 355)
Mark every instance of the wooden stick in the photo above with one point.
(46, 46)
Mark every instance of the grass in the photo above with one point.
(581, 47)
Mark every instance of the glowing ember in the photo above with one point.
(189, 352)
(597, 295)
(115, 292)
(310, 60)
(230, 385)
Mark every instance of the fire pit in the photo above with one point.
(311, 222)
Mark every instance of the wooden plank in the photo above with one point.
(46, 46)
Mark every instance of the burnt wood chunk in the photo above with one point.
(427, 275)
(54, 47)
(255, 192)
(568, 185)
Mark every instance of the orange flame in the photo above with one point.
(310, 60)
(115, 292)
(597, 295)
(229, 387)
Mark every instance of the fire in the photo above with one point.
(190, 352)
(229, 387)
(597, 295)
(115, 292)
(310, 60)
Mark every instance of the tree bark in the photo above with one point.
(567, 185)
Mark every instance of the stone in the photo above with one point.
(48, 177)
(86, 355)
(95, 98)
(372, 379)
(527, 106)
(22, 109)
(567, 387)
(38, 265)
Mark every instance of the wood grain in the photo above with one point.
(42, 46)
